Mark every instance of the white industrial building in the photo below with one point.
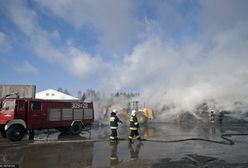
(51, 94)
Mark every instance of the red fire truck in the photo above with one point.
(19, 116)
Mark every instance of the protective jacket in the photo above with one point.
(134, 125)
(114, 121)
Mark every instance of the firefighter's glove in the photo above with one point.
(121, 122)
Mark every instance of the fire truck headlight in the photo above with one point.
(7, 115)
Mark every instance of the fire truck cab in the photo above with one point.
(19, 116)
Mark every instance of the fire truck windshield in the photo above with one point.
(8, 105)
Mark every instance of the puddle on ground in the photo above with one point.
(122, 154)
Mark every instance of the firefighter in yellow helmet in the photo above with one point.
(114, 120)
(134, 125)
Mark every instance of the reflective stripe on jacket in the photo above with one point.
(114, 121)
(134, 125)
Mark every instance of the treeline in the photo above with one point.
(91, 94)
(126, 94)
(65, 91)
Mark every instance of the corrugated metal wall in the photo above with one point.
(24, 91)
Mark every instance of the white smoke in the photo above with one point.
(181, 78)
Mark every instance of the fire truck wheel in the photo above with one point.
(3, 133)
(15, 133)
(76, 128)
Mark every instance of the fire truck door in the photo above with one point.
(21, 110)
(37, 115)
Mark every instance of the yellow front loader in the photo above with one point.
(143, 114)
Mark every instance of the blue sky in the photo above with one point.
(186, 48)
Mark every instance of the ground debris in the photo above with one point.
(197, 161)
(202, 159)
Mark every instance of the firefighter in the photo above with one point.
(114, 120)
(134, 125)
(212, 116)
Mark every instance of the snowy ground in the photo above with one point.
(52, 150)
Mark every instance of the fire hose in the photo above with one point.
(227, 141)
(225, 137)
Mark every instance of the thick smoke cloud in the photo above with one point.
(211, 68)
(169, 78)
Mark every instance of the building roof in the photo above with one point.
(52, 94)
